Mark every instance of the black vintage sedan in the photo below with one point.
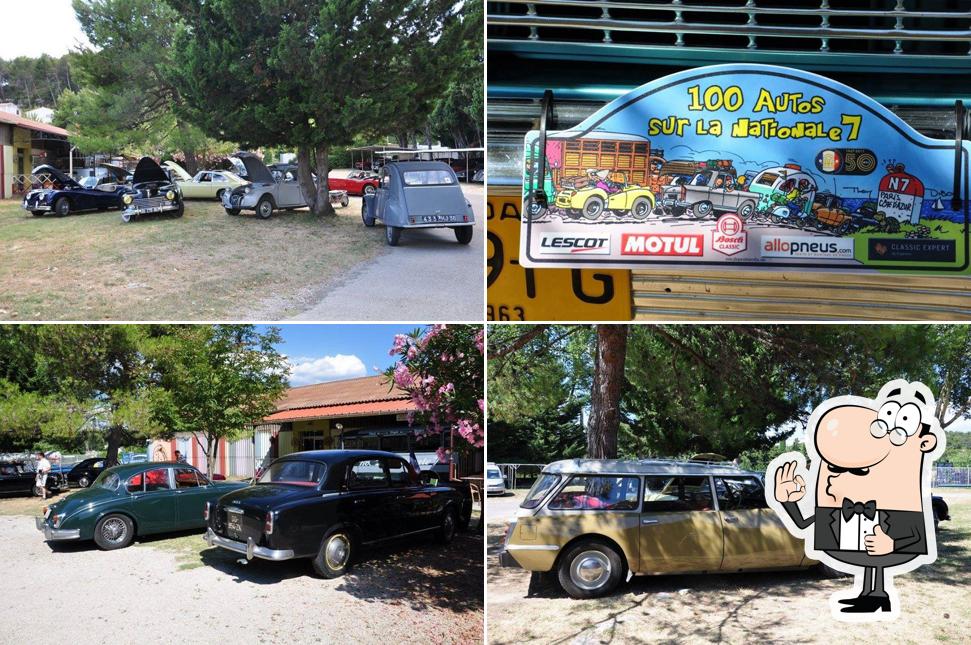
(18, 477)
(327, 504)
(86, 471)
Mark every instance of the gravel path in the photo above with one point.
(411, 591)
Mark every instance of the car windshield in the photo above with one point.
(701, 179)
(107, 480)
(494, 473)
(428, 178)
(543, 485)
(296, 473)
(766, 179)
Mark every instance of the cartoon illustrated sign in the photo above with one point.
(864, 505)
(745, 165)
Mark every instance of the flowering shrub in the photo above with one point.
(441, 368)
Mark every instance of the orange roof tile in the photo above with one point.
(392, 406)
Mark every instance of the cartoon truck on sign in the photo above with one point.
(714, 189)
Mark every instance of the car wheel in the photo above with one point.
(181, 211)
(590, 569)
(701, 210)
(38, 491)
(535, 210)
(747, 210)
(370, 189)
(114, 532)
(463, 234)
(392, 234)
(641, 208)
(334, 555)
(265, 208)
(127, 217)
(232, 211)
(368, 221)
(84, 482)
(62, 207)
(593, 207)
(448, 526)
(345, 200)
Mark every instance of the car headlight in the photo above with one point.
(170, 195)
(127, 200)
(247, 190)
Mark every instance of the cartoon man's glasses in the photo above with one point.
(899, 421)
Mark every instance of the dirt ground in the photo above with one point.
(754, 607)
(176, 588)
(203, 266)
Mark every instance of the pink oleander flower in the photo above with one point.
(481, 403)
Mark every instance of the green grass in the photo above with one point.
(949, 230)
(203, 266)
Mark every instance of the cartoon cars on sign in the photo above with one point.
(419, 194)
(133, 499)
(207, 184)
(602, 190)
(62, 195)
(785, 194)
(152, 191)
(325, 505)
(714, 189)
(592, 522)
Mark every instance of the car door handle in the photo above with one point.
(731, 518)
(649, 521)
(359, 501)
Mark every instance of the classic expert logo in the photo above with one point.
(662, 244)
(914, 250)
(781, 246)
(729, 236)
(569, 244)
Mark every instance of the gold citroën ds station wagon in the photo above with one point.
(595, 521)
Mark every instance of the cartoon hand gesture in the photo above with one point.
(878, 543)
(789, 487)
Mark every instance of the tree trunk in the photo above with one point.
(211, 455)
(608, 380)
(116, 436)
(323, 183)
(305, 176)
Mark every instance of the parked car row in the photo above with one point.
(322, 505)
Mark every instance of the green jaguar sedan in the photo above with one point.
(134, 499)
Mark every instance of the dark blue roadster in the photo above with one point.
(65, 196)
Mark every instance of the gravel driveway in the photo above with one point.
(176, 589)
(430, 276)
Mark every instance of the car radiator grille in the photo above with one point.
(151, 202)
(903, 28)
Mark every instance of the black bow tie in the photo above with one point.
(856, 508)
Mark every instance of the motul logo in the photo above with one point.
(662, 244)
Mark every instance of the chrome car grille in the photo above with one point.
(904, 28)
(151, 202)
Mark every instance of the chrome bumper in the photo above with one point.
(248, 548)
(37, 207)
(51, 534)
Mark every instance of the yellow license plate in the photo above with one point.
(516, 293)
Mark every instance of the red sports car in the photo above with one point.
(357, 182)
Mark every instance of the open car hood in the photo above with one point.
(256, 170)
(147, 170)
(61, 178)
(119, 173)
(179, 172)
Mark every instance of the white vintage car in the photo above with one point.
(207, 184)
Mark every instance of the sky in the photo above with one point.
(319, 353)
(56, 32)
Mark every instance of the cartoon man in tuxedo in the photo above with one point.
(871, 514)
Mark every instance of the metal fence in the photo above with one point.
(951, 476)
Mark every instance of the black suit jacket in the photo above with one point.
(905, 527)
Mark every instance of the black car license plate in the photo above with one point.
(234, 524)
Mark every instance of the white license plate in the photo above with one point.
(436, 218)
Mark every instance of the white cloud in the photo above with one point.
(61, 31)
(307, 370)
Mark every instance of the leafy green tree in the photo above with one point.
(310, 74)
(457, 118)
(35, 82)
(217, 381)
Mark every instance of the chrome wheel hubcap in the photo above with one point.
(590, 570)
(449, 525)
(114, 530)
(337, 550)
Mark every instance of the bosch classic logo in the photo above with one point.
(807, 247)
(569, 244)
(662, 244)
(729, 236)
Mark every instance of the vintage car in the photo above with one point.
(326, 504)
(357, 182)
(207, 184)
(593, 521)
(786, 194)
(18, 477)
(85, 471)
(831, 215)
(710, 193)
(419, 194)
(495, 482)
(592, 196)
(268, 191)
(152, 191)
(133, 499)
(62, 195)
